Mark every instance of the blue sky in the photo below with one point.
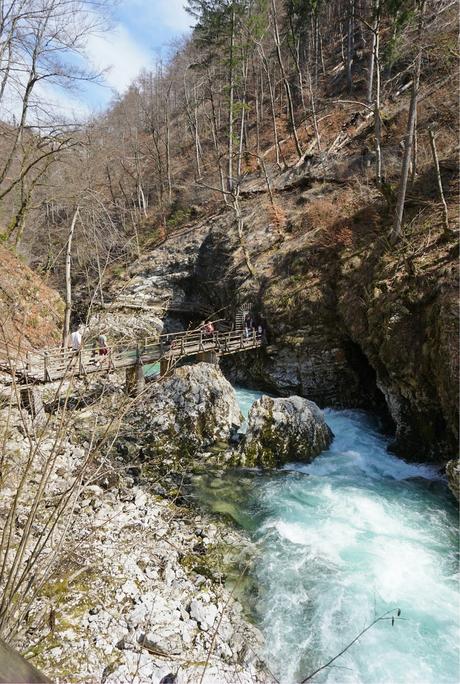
(141, 33)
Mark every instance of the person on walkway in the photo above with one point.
(75, 340)
(103, 348)
(207, 328)
(248, 323)
(102, 344)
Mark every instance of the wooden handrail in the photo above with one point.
(55, 362)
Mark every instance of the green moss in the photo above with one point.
(264, 451)
(213, 564)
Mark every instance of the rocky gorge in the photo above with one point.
(145, 590)
(349, 323)
(246, 466)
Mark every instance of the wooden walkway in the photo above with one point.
(50, 365)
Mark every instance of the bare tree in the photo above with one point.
(434, 152)
(38, 45)
(287, 88)
(68, 281)
(396, 231)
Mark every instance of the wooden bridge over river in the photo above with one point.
(55, 363)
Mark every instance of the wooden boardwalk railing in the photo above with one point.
(54, 363)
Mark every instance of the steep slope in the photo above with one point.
(352, 321)
(30, 311)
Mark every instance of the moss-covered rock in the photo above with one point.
(283, 430)
(193, 410)
(453, 477)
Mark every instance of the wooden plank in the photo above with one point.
(55, 363)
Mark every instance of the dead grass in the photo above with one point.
(30, 311)
(277, 215)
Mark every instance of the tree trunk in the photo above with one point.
(285, 79)
(350, 44)
(313, 112)
(167, 145)
(377, 117)
(375, 28)
(396, 231)
(434, 152)
(413, 170)
(240, 226)
(214, 130)
(230, 105)
(257, 113)
(245, 68)
(272, 105)
(68, 284)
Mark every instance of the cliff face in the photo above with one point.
(403, 314)
(30, 311)
(352, 320)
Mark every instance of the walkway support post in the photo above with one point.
(210, 356)
(45, 366)
(164, 367)
(32, 400)
(135, 379)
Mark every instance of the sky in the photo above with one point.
(141, 33)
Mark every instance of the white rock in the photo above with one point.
(204, 614)
(130, 589)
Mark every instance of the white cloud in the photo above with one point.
(60, 104)
(172, 14)
(168, 13)
(142, 28)
(49, 102)
(119, 53)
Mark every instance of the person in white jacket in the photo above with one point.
(75, 340)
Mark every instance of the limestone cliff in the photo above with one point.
(352, 321)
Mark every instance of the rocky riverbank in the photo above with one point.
(145, 586)
(145, 596)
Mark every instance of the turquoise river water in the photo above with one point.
(342, 540)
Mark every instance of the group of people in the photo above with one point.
(252, 326)
(76, 340)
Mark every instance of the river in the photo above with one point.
(341, 541)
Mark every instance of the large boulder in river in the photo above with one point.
(194, 409)
(453, 477)
(284, 430)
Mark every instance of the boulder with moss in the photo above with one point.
(193, 410)
(284, 430)
(453, 477)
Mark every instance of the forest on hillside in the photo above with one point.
(259, 85)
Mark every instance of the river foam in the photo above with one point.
(354, 534)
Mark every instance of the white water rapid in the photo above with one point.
(344, 539)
